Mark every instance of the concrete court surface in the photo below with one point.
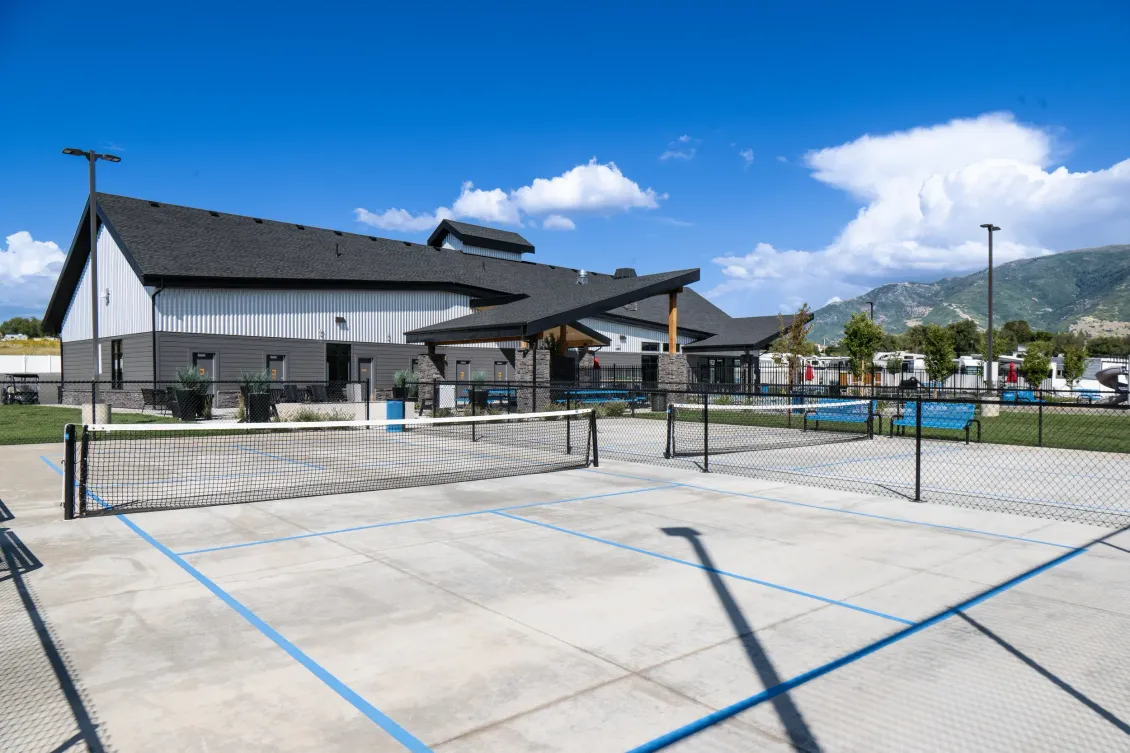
(602, 611)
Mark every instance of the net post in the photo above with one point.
(471, 397)
(368, 397)
(568, 426)
(918, 451)
(870, 419)
(84, 454)
(435, 399)
(69, 472)
(705, 433)
(592, 436)
(670, 430)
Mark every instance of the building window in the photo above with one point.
(276, 367)
(649, 347)
(116, 364)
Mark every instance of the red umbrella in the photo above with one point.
(809, 374)
(1012, 373)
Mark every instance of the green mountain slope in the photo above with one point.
(1085, 290)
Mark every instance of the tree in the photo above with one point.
(1074, 364)
(1004, 342)
(22, 325)
(894, 365)
(966, 336)
(1109, 346)
(939, 352)
(862, 338)
(914, 339)
(1017, 330)
(1036, 363)
(793, 341)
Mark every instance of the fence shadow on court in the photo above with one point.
(5, 513)
(1046, 674)
(41, 707)
(801, 737)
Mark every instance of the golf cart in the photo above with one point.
(21, 389)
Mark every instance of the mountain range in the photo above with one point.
(1086, 290)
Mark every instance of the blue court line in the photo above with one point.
(279, 457)
(700, 566)
(372, 712)
(857, 513)
(747, 703)
(420, 520)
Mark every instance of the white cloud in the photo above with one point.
(781, 159)
(28, 269)
(924, 193)
(833, 299)
(401, 219)
(592, 187)
(683, 148)
(558, 222)
(747, 156)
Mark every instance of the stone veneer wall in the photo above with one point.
(524, 373)
(674, 369)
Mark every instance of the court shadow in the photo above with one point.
(1114, 546)
(5, 513)
(801, 737)
(1046, 674)
(43, 708)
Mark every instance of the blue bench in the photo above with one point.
(600, 396)
(957, 416)
(842, 411)
(1088, 396)
(1020, 396)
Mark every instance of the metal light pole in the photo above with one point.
(990, 361)
(92, 157)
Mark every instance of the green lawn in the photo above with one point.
(33, 424)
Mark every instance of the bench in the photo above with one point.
(1020, 396)
(957, 416)
(1088, 396)
(507, 396)
(842, 411)
(156, 398)
(600, 396)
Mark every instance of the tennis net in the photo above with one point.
(710, 428)
(127, 468)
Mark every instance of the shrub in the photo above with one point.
(192, 380)
(310, 414)
(613, 410)
(255, 382)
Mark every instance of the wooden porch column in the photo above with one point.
(672, 320)
(561, 345)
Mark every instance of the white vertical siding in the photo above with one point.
(634, 336)
(450, 241)
(128, 310)
(372, 316)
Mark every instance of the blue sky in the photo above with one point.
(876, 137)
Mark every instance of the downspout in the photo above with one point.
(153, 329)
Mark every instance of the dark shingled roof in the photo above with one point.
(175, 246)
(552, 308)
(752, 332)
(479, 235)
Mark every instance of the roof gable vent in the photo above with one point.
(624, 273)
(582, 277)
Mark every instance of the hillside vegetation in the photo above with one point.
(1086, 290)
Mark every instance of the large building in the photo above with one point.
(230, 294)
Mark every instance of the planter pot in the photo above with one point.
(479, 396)
(188, 405)
(399, 393)
(258, 407)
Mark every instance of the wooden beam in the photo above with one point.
(672, 320)
(562, 338)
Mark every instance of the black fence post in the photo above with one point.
(435, 399)
(705, 433)
(871, 418)
(69, 472)
(592, 438)
(1040, 421)
(918, 451)
(368, 397)
(670, 428)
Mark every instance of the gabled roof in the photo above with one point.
(551, 308)
(479, 235)
(175, 246)
(741, 333)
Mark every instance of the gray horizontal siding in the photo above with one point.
(137, 358)
(305, 359)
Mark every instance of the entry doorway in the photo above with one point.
(501, 371)
(338, 356)
(365, 371)
(205, 366)
(276, 367)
